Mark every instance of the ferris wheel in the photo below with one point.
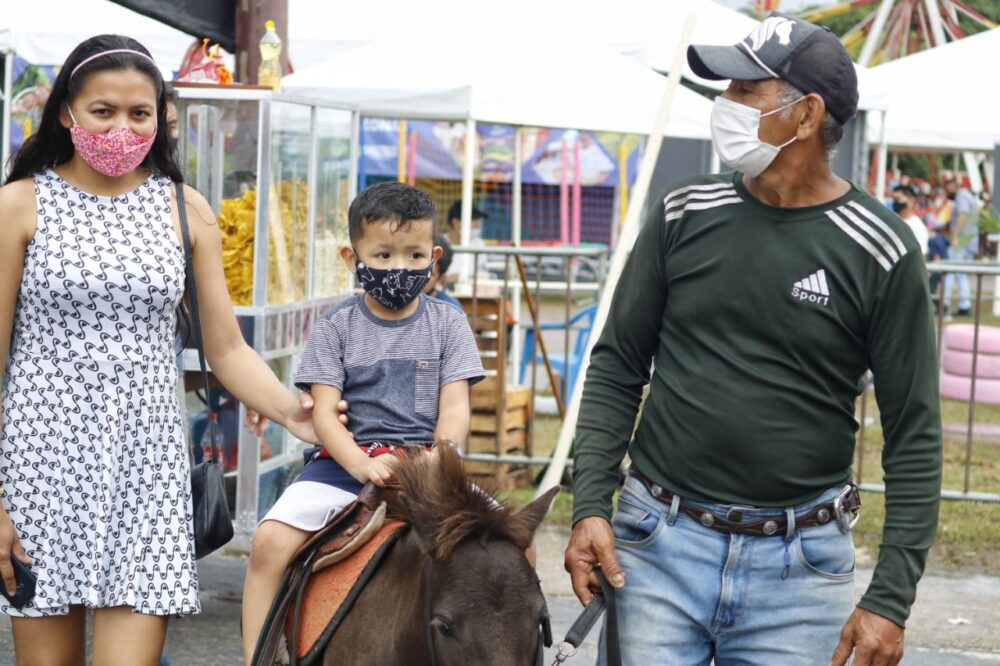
(900, 27)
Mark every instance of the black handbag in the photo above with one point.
(213, 526)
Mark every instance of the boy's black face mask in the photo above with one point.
(395, 288)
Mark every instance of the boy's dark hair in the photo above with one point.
(455, 212)
(51, 144)
(447, 254)
(170, 93)
(397, 203)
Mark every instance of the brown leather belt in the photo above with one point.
(843, 510)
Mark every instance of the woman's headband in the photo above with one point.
(109, 52)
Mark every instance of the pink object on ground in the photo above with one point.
(958, 387)
(960, 337)
(957, 362)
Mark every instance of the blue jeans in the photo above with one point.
(693, 594)
(964, 292)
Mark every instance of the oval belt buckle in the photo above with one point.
(845, 519)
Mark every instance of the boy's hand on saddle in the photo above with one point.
(378, 470)
(592, 544)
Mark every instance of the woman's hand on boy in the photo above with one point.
(299, 422)
(258, 424)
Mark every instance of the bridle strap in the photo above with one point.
(428, 611)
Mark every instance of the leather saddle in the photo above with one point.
(323, 580)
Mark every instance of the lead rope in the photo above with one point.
(604, 600)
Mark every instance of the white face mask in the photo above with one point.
(736, 136)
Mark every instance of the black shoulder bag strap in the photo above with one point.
(192, 292)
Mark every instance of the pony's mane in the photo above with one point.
(441, 503)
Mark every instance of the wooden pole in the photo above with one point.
(554, 473)
(401, 153)
(411, 161)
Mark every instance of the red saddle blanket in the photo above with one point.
(330, 593)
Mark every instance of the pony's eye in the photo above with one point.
(443, 625)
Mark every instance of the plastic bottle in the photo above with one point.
(269, 73)
(213, 430)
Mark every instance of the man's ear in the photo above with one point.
(349, 258)
(811, 122)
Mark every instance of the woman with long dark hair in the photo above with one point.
(92, 448)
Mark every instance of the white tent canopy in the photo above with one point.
(534, 82)
(645, 31)
(961, 115)
(650, 31)
(45, 33)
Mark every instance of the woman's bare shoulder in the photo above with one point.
(18, 209)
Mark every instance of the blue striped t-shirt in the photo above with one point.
(390, 372)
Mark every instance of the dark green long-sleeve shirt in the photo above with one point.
(759, 323)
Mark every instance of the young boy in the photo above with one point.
(403, 362)
(439, 270)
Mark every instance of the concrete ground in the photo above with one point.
(954, 622)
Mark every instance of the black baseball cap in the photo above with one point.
(455, 212)
(808, 56)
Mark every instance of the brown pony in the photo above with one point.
(456, 588)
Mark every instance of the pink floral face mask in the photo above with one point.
(111, 153)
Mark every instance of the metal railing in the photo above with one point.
(515, 284)
(524, 281)
(980, 271)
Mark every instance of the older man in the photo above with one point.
(760, 298)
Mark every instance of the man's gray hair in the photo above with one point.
(833, 129)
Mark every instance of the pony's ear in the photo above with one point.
(532, 515)
(419, 523)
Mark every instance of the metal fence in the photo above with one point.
(517, 294)
(522, 278)
(982, 277)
